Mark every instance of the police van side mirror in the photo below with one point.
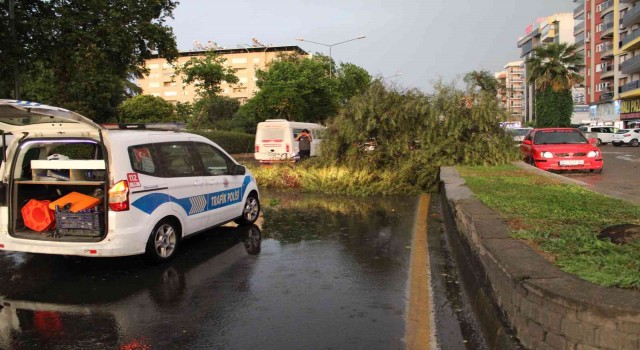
(239, 170)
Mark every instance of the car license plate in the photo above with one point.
(572, 162)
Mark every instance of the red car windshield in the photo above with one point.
(552, 137)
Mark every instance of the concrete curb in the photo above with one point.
(545, 307)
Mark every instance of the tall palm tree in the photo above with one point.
(556, 66)
(554, 69)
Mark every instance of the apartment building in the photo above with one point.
(245, 61)
(553, 29)
(612, 59)
(512, 97)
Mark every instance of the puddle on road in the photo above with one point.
(316, 272)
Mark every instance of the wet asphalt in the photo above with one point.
(315, 272)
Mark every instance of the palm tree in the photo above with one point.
(554, 69)
(556, 66)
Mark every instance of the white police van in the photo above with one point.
(154, 187)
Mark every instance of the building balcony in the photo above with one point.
(631, 89)
(606, 7)
(631, 41)
(628, 1)
(580, 42)
(631, 17)
(607, 30)
(606, 96)
(549, 35)
(607, 51)
(607, 72)
(578, 28)
(578, 10)
(631, 65)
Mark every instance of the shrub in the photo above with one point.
(231, 141)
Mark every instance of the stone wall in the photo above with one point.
(545, 307)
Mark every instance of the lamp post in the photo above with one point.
(330, 46)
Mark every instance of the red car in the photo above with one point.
(561, 149)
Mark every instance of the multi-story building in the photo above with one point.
(628, 13)
(512, 97)
(612, 59)
(161, 80)
(556, 28)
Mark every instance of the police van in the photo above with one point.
(72, 187)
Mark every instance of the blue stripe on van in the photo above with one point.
(194, 204)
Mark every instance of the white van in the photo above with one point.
(276, 139)
(604, 133)
(134, 191)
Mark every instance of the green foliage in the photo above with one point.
(416, 133)
(212, 112)
(231, 141)
(300, 89)
(562, 220)
(483, 80)
(146, 109)
(556, 66)
(332, 179)
(206, 73)
(553, 109)
(85, 51)
(351, 80)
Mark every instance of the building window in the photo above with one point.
(589, 15)
(256, 60)
(154, 76)
(154, 66)
(169, 83)
(154, 84)
(239, 60)
(171, 93)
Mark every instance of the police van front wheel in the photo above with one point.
(163, 241)
(250, 211)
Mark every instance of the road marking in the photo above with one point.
(419, 314)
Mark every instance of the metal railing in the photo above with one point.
(630, 65)
(631, 37)
(630, 86)
(631, 14)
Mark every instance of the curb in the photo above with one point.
(544, 306)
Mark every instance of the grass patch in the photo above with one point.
(562, 221)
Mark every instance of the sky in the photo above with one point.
(412, 43)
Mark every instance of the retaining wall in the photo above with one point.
(545, 307)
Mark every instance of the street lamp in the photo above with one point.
(330, 46)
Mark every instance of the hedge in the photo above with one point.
(231, 141)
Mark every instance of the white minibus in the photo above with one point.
(276, 139)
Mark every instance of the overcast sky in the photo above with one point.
(423, 39)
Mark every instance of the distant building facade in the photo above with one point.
(512, 96)
(557, 28)
(245, 61)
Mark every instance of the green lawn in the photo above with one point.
(562, 221)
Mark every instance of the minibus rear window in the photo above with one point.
(269, 134)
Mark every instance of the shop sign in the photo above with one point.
(630, 106)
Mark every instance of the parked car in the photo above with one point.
(629, 137)
(519, 134)
(561, 149)
(604, 133)
(135, 190)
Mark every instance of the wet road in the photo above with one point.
(315, 273)
(620, 175)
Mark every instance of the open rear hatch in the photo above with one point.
(55, 177)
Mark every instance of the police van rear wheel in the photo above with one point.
(163, 241)
(250, 211)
